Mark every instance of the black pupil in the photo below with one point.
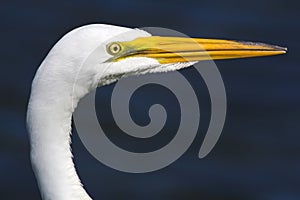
(116, 48)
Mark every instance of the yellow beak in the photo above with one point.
(177, 49)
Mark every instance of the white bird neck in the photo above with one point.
(56, 90)
(49, 123)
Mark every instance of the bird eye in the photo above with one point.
(114, 48)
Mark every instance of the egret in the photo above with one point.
(53, 95)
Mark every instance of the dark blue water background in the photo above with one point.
(258, 154)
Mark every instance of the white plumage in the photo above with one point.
(60, 82)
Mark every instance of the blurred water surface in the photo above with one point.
(258, 155)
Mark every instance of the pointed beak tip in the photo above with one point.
(279, 48)
(285, 49)
(265, 46)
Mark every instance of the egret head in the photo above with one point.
(103, 54)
